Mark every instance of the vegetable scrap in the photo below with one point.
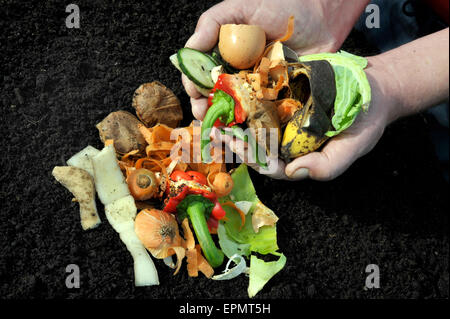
(265, 86)
(164, 204)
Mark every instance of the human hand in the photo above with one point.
(320, 26)
(356, 141)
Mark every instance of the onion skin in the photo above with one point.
(158, 232)
(221, 183)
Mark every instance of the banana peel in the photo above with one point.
(313, 84)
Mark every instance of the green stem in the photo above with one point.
(196, 212)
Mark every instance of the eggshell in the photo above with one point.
(241, 45)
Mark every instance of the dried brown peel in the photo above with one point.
(122, 128)
(81, 184)
(262, 216)
(154, 103)
(265, 117)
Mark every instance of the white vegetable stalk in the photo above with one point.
(82, 159)
(241, 267)
(120, 210)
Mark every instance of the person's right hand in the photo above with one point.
(320, 26)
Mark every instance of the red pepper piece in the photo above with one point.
(172, 202)
(197, 177)
(225, 83)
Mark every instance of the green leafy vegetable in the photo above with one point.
(263, 242)
(261, 272)
(236, 239)
(243, 189)
(229, 246)
(353, 91)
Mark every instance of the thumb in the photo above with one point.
(206, 33)
(326, 165)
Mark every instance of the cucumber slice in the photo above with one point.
(205, 92)
(197, 67)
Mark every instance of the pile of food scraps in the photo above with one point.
(162, 201)
(190, 206)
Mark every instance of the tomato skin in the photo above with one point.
(218, 212)
(179, 175)
(197, 177)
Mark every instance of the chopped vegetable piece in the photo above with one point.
(197, 177)
(263, 242)
(191, 252)
(221, 183)
(109, 180)
(262, 216)
(229, 246)
(81, 184)
(196, 66)
(158, 232)
(195, 207)
(203, 264)
(223, 108)
(188, 236)
(121, 214)
(353, 92)
(82, 159)
(261, 272)
(241, 267)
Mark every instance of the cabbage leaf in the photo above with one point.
(353, 92)
(262, 271)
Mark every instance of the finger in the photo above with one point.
(275, 167)
(326, 165)
(199, 107)
(207, 30)
(190, 88)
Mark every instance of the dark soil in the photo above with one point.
(390, 208)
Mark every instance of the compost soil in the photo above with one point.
(390, 208)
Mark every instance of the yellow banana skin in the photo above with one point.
(297, 141)
(313, 84)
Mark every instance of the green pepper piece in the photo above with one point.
(196, 207)
(222, 107)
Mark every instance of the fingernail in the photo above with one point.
(301, 173)
(192, 40)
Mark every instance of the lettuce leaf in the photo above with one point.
(229, 246)
(353, 92)
(261, 272)
(243, 189)
(237, 239)
(263, 242)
